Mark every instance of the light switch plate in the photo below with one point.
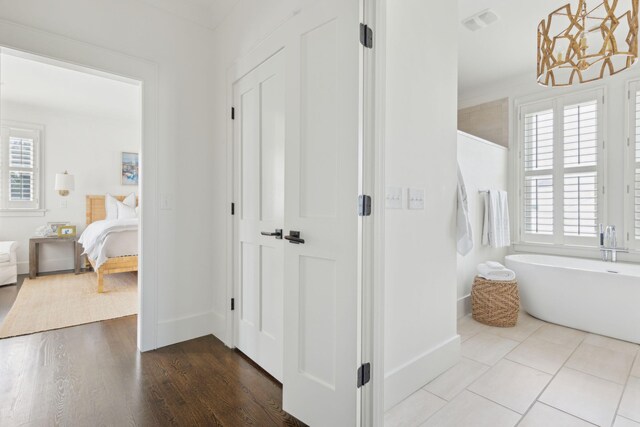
(165, 201)
(394, 198)
(416, 199)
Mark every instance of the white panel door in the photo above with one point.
(259, 134)
(321, 188)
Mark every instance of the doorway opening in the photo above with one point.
(69, 201)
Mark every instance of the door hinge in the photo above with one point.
(233, 113)
(233, 208)
(364, 205)
(233, 304)
(364, 374)
(366, 36)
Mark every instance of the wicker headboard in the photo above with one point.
(96, 210)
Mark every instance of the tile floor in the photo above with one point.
(534, 375)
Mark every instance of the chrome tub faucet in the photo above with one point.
(609, 243)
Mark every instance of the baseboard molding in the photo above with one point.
(47, 265)
(464, 306)
(407, 379)
(219, 328)
(184, 328)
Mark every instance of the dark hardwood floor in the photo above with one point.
(93, 375)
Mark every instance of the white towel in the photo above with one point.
(495, 230)
(463, 224)
(503, 274)
(495, 265)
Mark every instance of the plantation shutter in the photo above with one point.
(538, 167)
(19, 168)
(636, 167)
(580, 174)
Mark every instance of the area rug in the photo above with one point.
(59, 301)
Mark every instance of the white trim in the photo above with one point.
(61, 48)
(371, 180)
(22, 212)
(631, 87)
(377, 270)
(413, 375)
(463, 306)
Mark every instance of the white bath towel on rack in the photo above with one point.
(463, 223)
(495, 230)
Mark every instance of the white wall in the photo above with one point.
(525, 89)
(88, 146)
(182, 54)
(483, 165)
(420, 261)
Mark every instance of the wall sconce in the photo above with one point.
(64, 183)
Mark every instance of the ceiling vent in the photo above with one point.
(480, 20)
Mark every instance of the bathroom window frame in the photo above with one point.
(565, 98)
(631, 242)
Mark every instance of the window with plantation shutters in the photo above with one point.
(19, 167)
(632, 205)
(636, 169)
(561, 144)
(580, 152)
(538, 166)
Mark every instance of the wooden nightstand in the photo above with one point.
(34, 250)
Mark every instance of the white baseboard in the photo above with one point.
(184, 328)
(219, 328)
(407, 379)
(464, 306)
(47, 265)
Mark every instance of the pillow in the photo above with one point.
(111, 207)
(130, 200)
(125, 211)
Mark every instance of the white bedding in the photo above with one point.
(109, 239)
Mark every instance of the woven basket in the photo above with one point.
(495, 303)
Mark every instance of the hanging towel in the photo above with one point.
(463, 224)
(495, 230)
(498, 274)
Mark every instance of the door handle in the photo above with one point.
(294, 237)
(277, 234)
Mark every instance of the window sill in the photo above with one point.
(22, 212)
(571, 251)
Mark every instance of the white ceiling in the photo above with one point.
(208, 13)
(45, 85)
(506, 48)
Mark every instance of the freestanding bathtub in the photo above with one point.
(590, 295)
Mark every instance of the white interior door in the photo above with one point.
(321, 186)
(259, 133)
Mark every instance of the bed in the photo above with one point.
(118, 251)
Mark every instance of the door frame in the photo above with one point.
(79, 54)
(372, 242)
